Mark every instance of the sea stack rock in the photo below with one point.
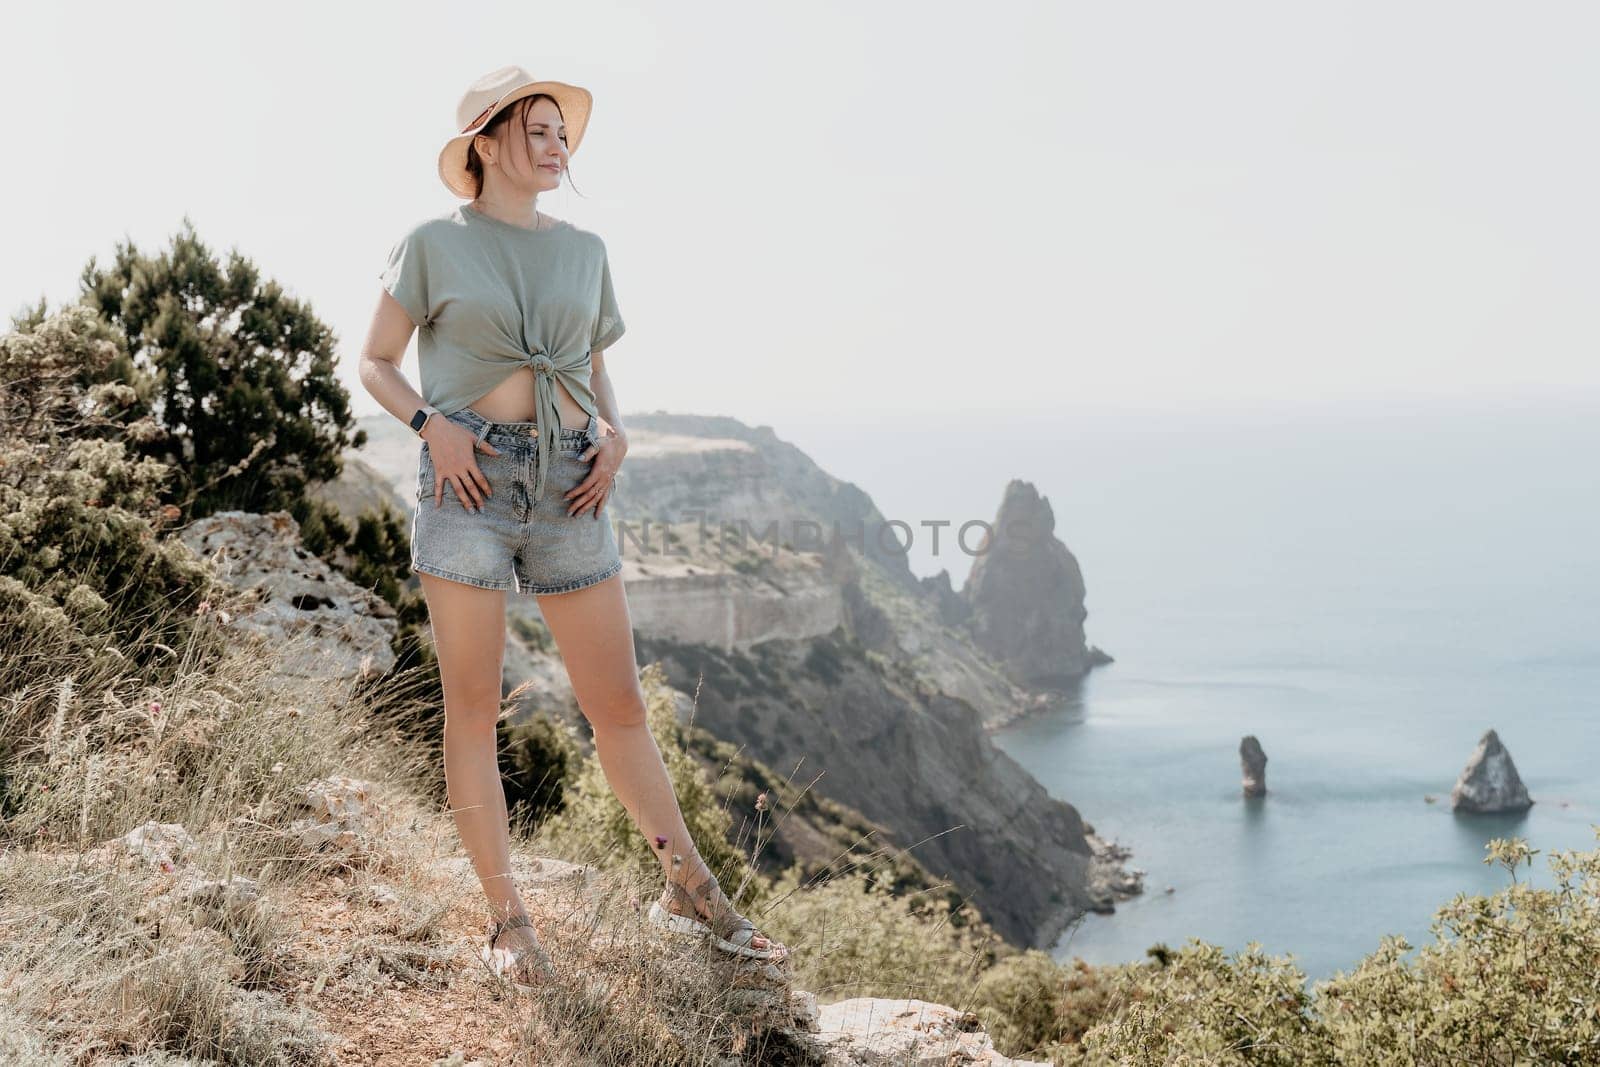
(1026, 594)
(1490, 782)
(1254, 762)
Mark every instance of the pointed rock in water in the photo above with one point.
(1025, 593)
(1490, 782)
(1254, 761)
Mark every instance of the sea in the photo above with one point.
(1365, 587)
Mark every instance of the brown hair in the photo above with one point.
(495, 129)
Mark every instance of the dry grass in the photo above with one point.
(358, 954)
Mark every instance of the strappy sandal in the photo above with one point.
(728, 931)
(513, 963)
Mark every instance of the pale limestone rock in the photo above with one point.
(200, 900)
(323, 631)
(337, 796)
(876, 1032)
(1110, 879)
(1490, 782)
(344, 822)
(164, 845)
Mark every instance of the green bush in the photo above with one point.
(85, 576)
(213, 376)
(240, 376)
(854, 937)
(1511, 978)
(538, 757)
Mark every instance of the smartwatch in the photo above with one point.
(420, 419)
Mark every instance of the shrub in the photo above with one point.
(538, 758)
(1510, 978)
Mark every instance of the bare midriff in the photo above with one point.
(513, 401)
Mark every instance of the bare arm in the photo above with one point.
(451, 446)
(605, 399)
(387, 338)
(607, 453)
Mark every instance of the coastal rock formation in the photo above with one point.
(953, 607)
(907, 756)
(1490, 782)
(1110, 879)
(1026, 592)
(909, 627)
(718, 470)
(325, 631)
(1254, 762)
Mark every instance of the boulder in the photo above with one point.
(199, 900)
(162, 845)
(324, 631)
(344, 824)
(875, 1032)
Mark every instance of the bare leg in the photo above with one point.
(594, 634)
(469, 627)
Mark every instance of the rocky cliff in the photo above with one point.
(908, 756)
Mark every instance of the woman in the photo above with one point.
(521, 441)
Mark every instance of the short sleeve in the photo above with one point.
(608, 324)
(406, 276)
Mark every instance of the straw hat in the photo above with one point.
(485, 98)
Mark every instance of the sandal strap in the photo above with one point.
(502, 925)
(724, 921)
(737, 928)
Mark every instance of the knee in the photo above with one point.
(623, 711)
(472, 713)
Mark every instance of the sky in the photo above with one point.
(857, 210)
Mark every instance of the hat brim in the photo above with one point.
(574, 101)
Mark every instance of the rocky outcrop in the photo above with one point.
(694, 467)
(783, 595)
(874, 1032)
(1490, 782)
(325, 632)
(909, 757)
(952, 606)
(1253, 761)
(1110, 879)
(911, 629)
(1026, 593)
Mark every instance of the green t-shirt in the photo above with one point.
(488, 297)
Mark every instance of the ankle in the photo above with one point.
(690, 871)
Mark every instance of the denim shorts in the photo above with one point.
(515, 537)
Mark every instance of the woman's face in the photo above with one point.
(541, 166)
